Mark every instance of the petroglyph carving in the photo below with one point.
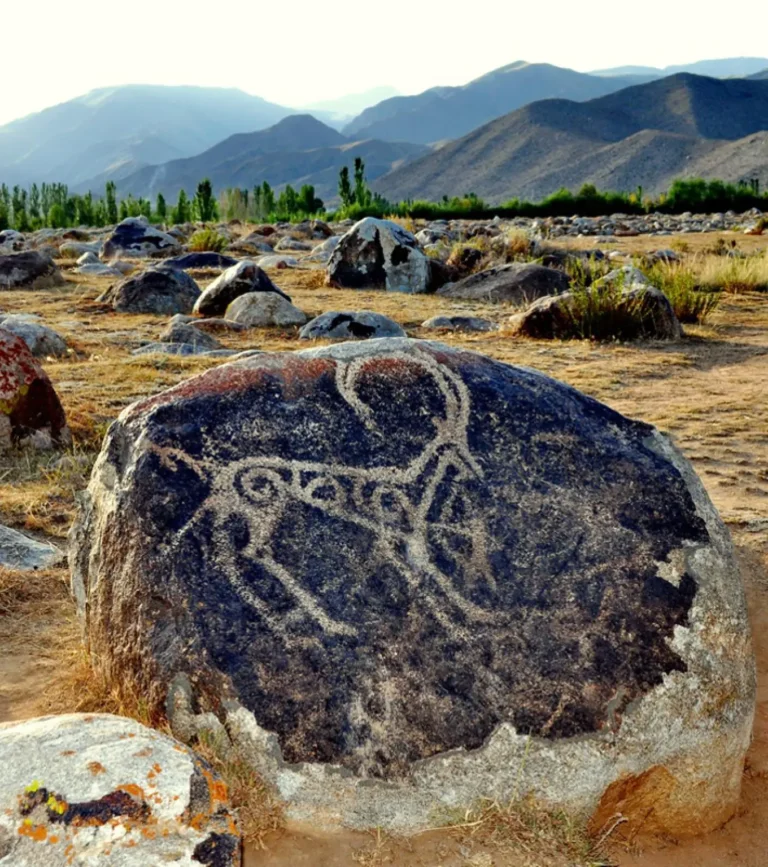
(395, 502)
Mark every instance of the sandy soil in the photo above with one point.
(707, 391)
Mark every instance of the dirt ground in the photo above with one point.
(709, 391)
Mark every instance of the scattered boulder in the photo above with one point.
(30, 410)
(638, 311)
(278, 262)
(179, 330)
(238, 280)
(465, 258)
(206, 260)
(515, 283)
(407, 577)
(346, 324)
(322, 252)
(460, 323)
(380, 254)
(623, 278)
(291, 244)
(98, 269)
(41, 340)
(165, 348)
(11, 241)
(23, 553)
(259, 309)
(135, 237)
(96, 788)
(75, 249)
(89, 258)
(156, 290)
(28, 270)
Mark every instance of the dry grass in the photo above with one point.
(259, 810)
(733, 275)
(680, 283)
(534, 835)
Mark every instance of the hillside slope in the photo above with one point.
(115, 130)
(298, 150)
(449, 112)
(646, 135)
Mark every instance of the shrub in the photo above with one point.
(678, 282)
(207, 239)
(605, 314)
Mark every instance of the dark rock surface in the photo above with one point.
(514, 284)
(459, 323)
(201, 260)
(156, 290)
(27, 270)
(135, 237)
(380, 552)
(238, 280)
(30, 410)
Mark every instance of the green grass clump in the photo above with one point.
(679, 283)
(207, 240)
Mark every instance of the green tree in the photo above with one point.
(161, 209)
(84, 210)
(345, 188)
(57, 216)
(287, 202)
(267, 200)
(363, 196)
(123, 212)
(34, 202)
(308, 203)
(3, 216)
(111, 200)
(181, 213)
(204, 203)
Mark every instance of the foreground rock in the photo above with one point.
(260, 309)
(346, 324)
(11, 241)
(514, 284)
(379, 254)
(635, 312)
(29, 270)
(30, 410)
(21, 552)
(135, 237)
(179, 330)
(239, 280)
(157, 290)
(408, 577)
(93, 789)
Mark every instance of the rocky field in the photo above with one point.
(92, 322)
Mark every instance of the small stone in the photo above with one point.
(260, 309)
(346, 324)
(23, 553)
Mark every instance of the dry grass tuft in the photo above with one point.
(679, 283)
(517, 245)
(259, 810)
(733, 275)
(538, 837)
(205, 240)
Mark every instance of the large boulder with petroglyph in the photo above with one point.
(30, 411)
(135, 237)
(101, 789)
(407, 577)
(380, 254)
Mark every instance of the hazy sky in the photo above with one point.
(295, 51)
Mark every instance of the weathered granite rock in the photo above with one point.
(98, 789)
(346, 324)
(238, 280)
(639, 311)
(98, 269)
(380, 254)
(280, 262)
(407, 577)
(28, 270)
(201, 260)
(460, 323)
(135, 237)
(89, 258)
(77, 249)
(11, 241)
(179, 330)
(156, 290)
(168, 348)
(30, 410)
(41, 340)
(260, 309)
(322, 252)
(288, 244)
(515, 283)
(21, 552)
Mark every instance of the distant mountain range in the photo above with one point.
(650, 134)
(115, 130)
(298, 150)
(449, 112)
(344, 108)
(729, 67)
